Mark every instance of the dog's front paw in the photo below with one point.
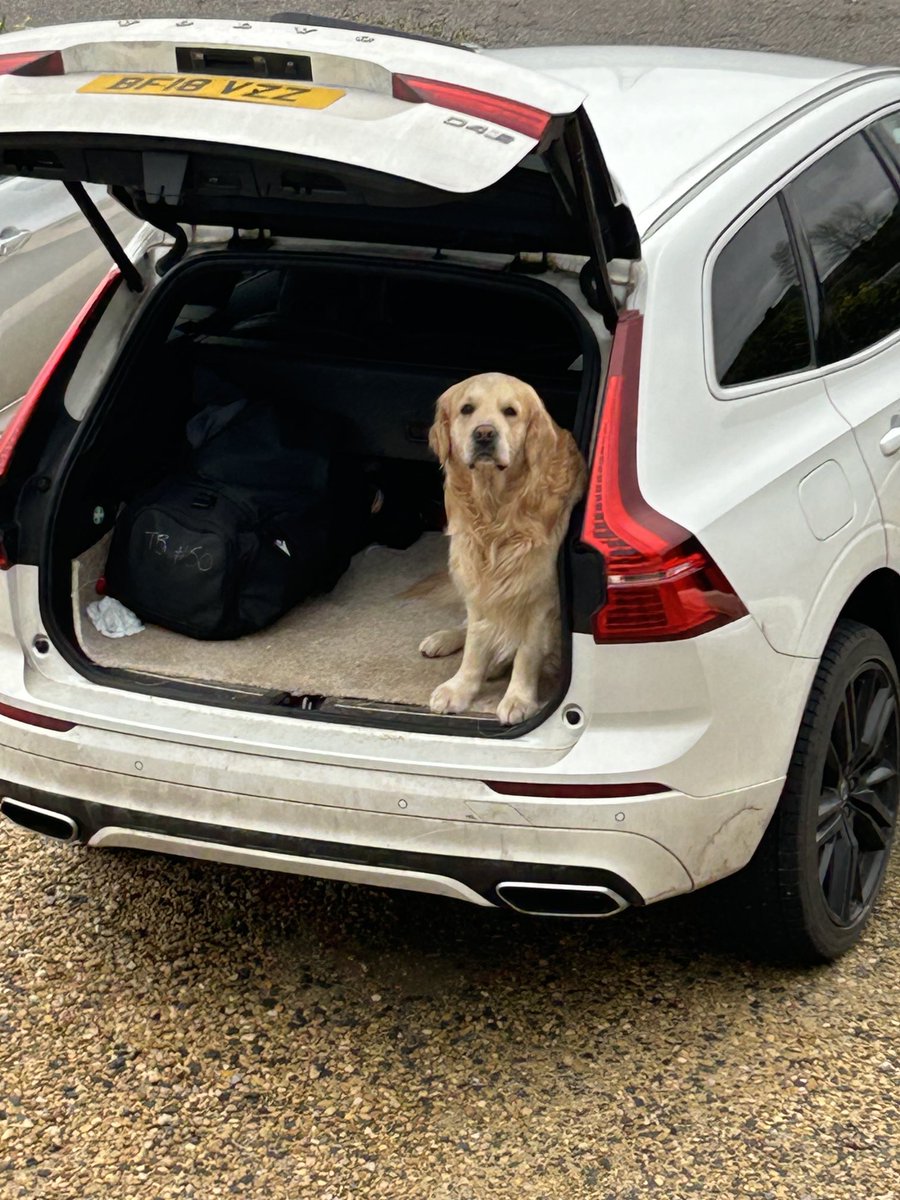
(442, 643)
(515, 708)
(451, 697)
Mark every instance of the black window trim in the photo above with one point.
(813, 299)
(813, 291)
(887, 154)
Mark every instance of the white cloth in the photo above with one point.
(113, 619)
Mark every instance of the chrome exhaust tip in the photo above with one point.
(590, 901)
(39, 820)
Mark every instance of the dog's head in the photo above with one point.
(492, 422)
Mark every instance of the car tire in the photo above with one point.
(810, 889)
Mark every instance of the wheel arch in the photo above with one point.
(875, 602)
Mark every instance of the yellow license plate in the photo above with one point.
(215, 87)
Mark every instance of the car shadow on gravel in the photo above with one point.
(332, 935)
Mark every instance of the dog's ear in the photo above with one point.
(439, 434)
(541, 438)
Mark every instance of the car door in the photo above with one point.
(796, 506)
(846, 206)
(50, 262)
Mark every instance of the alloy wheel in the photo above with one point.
(858, 800)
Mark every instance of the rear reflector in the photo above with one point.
(30, 718)
(576, 791)
(34, 62)
(661, 583)
(13, 431)
(510, 114)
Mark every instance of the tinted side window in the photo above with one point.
(850, 211)
(759, 318)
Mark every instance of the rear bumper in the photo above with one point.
(642, 848)
(471, 878)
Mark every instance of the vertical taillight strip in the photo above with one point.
(661, 585)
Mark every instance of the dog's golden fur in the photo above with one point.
(511, 479)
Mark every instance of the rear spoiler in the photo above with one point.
(319, 22)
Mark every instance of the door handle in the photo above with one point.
(890, 443)
(12, 240)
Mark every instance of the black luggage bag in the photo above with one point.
(262, 518)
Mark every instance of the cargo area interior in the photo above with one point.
(361, 348)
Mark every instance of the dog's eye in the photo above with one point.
(466, 409)
(509, 412)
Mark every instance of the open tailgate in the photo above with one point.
(328, 94)
(321, 132)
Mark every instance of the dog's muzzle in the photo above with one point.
(484, 445)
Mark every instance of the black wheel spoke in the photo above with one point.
(843, 879)
(858, 797)
(826, 854)
(834, 768)
(842, 734)
(853, 724)
(870, 870)
(877, 775)
(830, 815)
(875, 725)
(868, 685)
(873, 821)
(867, 800)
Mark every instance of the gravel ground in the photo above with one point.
(858, 30)
(175, 1029)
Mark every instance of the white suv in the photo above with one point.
(693, 255)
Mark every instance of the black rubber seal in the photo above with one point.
(55, 583)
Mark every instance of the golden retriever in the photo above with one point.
(511, 479)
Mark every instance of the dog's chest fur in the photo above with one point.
(502, 554)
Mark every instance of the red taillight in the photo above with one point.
(32, 62)
(30, 718)
(13, 431)
(576, 791)
(661, 583)
(510, 114)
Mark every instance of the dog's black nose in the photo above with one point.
(483, 435)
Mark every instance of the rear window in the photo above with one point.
(850, 211)
(760, 327)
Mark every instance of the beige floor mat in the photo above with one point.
(361, 640)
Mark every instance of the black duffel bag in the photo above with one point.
(255, 524)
